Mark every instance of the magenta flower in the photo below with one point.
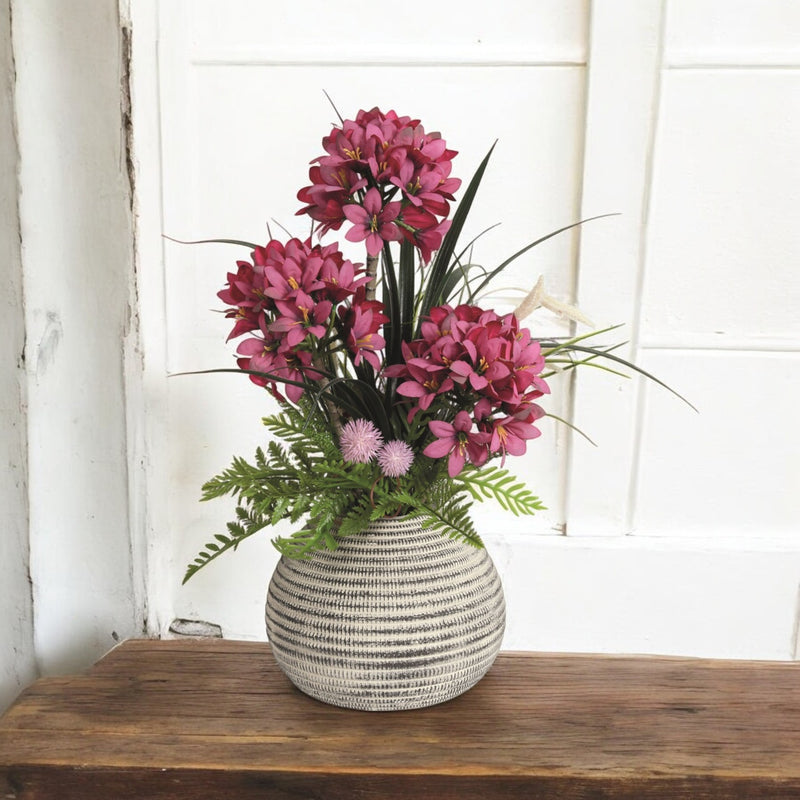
(509, 435)
(395, 458)
(430, 240)
(421, 228)
(373, 222)
(293, 276)
(421, 187)
(325, 205)
(360, 324)
(301, 317)
(483, 367)
(242, 293)
(458, 441)
(427, 380)
(245, 292)
(360, 441)
(260, 355)
(394, 152)
(264, 356)
(339, 277)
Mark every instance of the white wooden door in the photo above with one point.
(679, 532)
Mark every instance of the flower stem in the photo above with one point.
(372, 271)
(333, 412)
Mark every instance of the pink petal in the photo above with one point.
(374, 243)
(355, 213)
(463, 422)
(456, 462)
(515, 446)
(478, 382)
(411, 389)
(357, 235)
(438, 449)
(441, 429)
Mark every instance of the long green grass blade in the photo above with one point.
(441, 262)
(630, 365)
(391, 299)
(407, 291)
(525, 249)
(212, 241)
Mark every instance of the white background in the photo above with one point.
(678, 533)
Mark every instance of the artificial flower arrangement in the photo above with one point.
(400, 394)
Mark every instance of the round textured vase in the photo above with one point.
(395, 618)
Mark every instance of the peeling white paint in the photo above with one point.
(17, 661)
(48, 343)
(195, 628)
(76, 228)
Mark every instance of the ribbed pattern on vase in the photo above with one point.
(395, 618)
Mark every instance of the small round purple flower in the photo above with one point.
(395, 458)
(360, 441)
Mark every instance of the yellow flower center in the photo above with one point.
(341, 178)
(414, 187)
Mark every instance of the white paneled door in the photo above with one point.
(679, 532)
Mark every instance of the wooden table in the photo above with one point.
(216, 719)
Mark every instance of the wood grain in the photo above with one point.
(188, 719)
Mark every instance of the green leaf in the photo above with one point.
(449, 519)
(406, 290)
(391, 299)
(527, 247)
(500, 485)
(356, 519)
(212, 550)
(440, 268)
(630, 365)
(212, 241)
(572, 427)
(304, 543)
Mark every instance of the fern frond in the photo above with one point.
(498, 484)
(356, 519)
(450, 519)
(237, 533)
(304, 543)
(230, 481)
(304, 431)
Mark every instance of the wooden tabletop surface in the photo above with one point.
(217, 719)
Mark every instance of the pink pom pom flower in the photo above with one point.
(395, 458)
(360, 441)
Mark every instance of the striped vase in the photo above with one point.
(395, 618)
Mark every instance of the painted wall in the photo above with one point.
(17, 662)
(77, 276)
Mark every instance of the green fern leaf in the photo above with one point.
(450, 519)
(304, 543)
(500, 485)
(212, 550)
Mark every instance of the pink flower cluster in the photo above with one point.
(286, 299)
(370, 161)
(303, 314)
(468, 358)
